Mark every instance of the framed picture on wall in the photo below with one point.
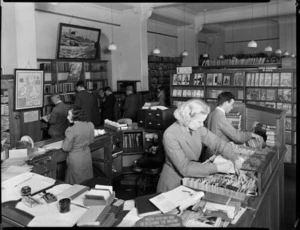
(29, 89)
(78, 42)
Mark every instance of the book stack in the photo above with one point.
(271, 137)
(100, 195)
(235, 119)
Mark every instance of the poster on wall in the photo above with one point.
(78, 42)
(29, 91)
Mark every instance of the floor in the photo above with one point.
(127, 192)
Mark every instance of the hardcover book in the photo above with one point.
(226, 79)
(174, 93)
(288, 108)
(279, 106)
(145, 207)
(219, 79)
(248, 79)
(263, 94)
(261, 79)
(184, 92)
(257, 79)
(196, 81)
(200, 79)
(288, 123)
(271, 93)
(240, 94)
(275, 80)
(176, 78)
(287, 94)
(253, 94)
(215, 79)
(209, 79)
(213, 93)
(238, 79)
(252, 79)
(189, 93)
(185, 79)
(286, 79)
(179, 92)
(268, 79)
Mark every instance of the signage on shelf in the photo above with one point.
(183, 70)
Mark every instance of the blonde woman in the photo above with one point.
(183, 142)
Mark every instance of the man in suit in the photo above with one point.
(218, 124)
(130, 104)
(58, 118)
(86, 101)
(108, 105)
(183, 142)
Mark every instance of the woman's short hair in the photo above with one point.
(189, 109)
(78, 113)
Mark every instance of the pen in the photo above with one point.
(80, 205)
(24, 181)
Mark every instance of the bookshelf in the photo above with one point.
(159, 72)
(264, 86)
(59, 78)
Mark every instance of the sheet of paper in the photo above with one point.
(167, 201)
(54, 145)
(220, 159)
(13, 171)
(128, 204)
(18, 161)
(15, 153)
(238, 215)
(31, 116)
(130, 219)
(59, 188)
(216, 207)
(68, 219)
(46, 118)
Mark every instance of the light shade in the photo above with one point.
(293, 55)
(156, 51)
(221, 57)
(286, 53)
(205, 55)
(278, 51)
(233, 58)
(252, 44)
(112, 46)
(185, 53)
(268, 48)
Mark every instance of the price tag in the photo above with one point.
(166, 220)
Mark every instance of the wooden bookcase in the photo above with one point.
(264, 86)
(159, 72)
(93, 73)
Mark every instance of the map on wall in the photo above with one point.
(28, 89)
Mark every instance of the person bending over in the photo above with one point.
(183, 142)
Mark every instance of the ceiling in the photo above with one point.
(191, 8)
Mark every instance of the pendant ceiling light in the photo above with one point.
(278, 51)
(156, 50)
(268, 48)
(184, 53)
(292, 54)
(205, 55)
(112, 46)
(252, 43)
(286, 53)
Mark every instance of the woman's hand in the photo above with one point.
(224, 167)
(237, 166)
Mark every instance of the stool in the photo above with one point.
(96, 180)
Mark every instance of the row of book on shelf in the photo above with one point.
(285, 106)
(161, 72)
(263, 94)
(163, 66)
(59, 87)
(198, 93)
(262, 79)
(234, 61)
(132, 140)
(67, 66)
(94, 85)
(153, 58)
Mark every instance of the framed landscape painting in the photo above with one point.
(77, 42)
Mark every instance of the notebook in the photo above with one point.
(144, 205)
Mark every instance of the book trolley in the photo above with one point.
(259, 164)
